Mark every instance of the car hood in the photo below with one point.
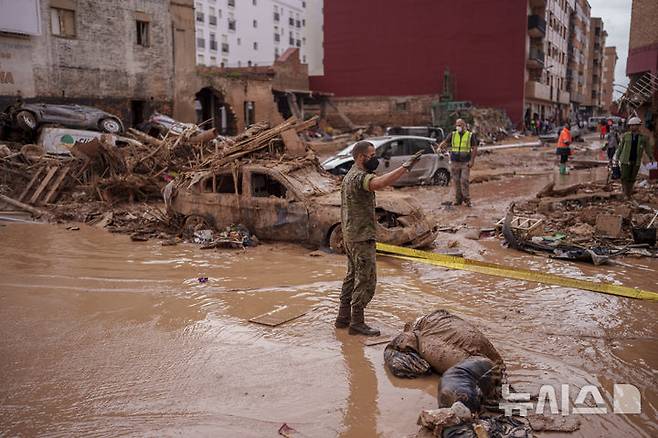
(336, 161)
(390, 201)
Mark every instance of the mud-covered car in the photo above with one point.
(29, 116)
(290, 202)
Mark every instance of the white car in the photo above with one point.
(392, 151)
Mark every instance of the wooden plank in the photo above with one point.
(35, 211)
(43, 185)
(278, 316)
(55, 187)
(30, 184)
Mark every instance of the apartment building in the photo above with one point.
(597, 37)
(240, 33)
(549, 34)
(577, 68)
(608, 77)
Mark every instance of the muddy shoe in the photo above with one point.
(358, 325)
(468, 203)
(363, 329)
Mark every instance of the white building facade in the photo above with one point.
(239, 33)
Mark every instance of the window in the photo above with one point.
(200, 59)
(224, 47)
(231, 23)
(254, 2)
(276, 53)
(276, 17)
(239, 41)
(291, 41)
(231, 3)
(62, 22)
(249, 113)
(304, 59)
(304, 23)
(222, 183)
(392, 149)
(255, 45)
(199, 17)
(213, 60)
(255, 23)
(277, 37)
(212, 20)
(298, 23)
(265, 186)
(402, 106)
(200, 43)
(298, 43)
(213, 42)
(142, 33)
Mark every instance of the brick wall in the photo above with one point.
(644, 31)
(383, 110)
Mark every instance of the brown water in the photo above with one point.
(102, 336)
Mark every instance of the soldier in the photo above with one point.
(358, 226)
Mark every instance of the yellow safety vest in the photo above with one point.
(461, 143)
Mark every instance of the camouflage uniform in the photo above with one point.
(358, 225)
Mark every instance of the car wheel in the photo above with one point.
(441, 178)
(336, 242)
(110, 125)
(26, 120)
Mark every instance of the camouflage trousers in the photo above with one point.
(460, 176)
(361, 279)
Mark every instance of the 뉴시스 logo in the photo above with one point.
(626, 400)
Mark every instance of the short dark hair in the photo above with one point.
(361, 148)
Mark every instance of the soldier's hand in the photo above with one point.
(411, 162)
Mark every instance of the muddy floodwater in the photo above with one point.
(101, 336)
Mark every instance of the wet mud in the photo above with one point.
(102, 336)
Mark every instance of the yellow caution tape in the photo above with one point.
(461, 263)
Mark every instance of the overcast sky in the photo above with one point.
(616, 16)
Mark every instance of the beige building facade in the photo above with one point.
(609, 63)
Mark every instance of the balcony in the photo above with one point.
(535, 58)
(536, 26)
(537, 91)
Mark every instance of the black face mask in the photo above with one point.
(371, 164)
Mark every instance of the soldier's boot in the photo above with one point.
(628, 189)
(344, 315)
(358, 325)
(563, 169)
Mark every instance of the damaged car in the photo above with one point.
(391, 151)
(30, 116)
(290, 202)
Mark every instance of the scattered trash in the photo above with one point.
(287, 431)
(279, 316)
(203, 279)
(73, 228)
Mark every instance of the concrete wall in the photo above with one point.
(391, 49)
(383, 110)
(643, 42)
(102, 64)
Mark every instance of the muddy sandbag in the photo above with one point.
(471, 382)
(441, 339)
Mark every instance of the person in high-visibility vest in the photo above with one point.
(563, 149)
(463, 150)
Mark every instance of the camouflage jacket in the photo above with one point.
(357, 206)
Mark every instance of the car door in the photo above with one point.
(391, 155)
(219, 197)
(424, 169)
(272, 208)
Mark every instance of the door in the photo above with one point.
(273, 210)
(424, 169)
(391, 155)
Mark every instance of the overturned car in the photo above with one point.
(290, 201)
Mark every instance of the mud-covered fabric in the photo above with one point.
(441, 339)
(361, 279)
(471, 382)
(408, 364)
(357, 206)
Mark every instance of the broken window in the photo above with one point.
(263, 185)
(249, 113)
(142, 33)
(62, 22)
(225, 183)
(402, 106)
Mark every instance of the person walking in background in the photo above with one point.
(463, 150)
(563, 148)
(610, 144)
(629, 154)
(604, 128)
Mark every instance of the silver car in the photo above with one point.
(392, 151)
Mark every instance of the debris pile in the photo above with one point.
(115, 182)
(588, 222)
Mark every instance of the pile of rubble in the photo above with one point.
(590, 222)
(110, 181)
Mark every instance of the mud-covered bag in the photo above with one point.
(471, 382)
(442, 340)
